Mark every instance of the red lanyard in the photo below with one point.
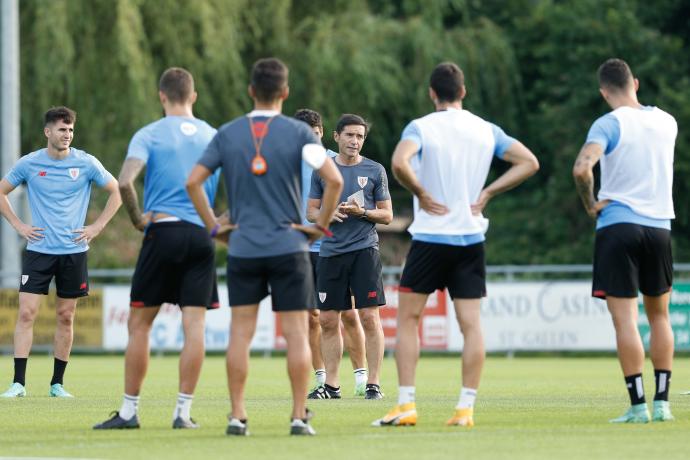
(259, 165)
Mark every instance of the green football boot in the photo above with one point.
(661, 412)
(636, 414)
(58, 391)
(16, 390)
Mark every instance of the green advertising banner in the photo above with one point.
(679, 312)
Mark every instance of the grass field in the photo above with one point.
(543, 407)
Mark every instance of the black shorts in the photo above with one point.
(356, 273)
(176, 265)
(631, 257)
(314, 257)
(69, 270)
(432, 266)
(288, 276)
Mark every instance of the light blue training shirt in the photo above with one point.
(171, 147)
(606, 131)
(306, 185)
(59, 192)
(502, 142)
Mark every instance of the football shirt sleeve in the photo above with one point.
(19, 172)
(606, 132)
(212, 159)
(381, 192)
(502, 141)
(316, 189)
(139, 145)
(97, 173)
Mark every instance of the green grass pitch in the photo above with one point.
(528, 407)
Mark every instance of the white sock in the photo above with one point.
(361, 376)
(405, 395)
(183, 407)
(130, 407)
(320, 376)
(467, 397)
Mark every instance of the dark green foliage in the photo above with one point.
(530, 66)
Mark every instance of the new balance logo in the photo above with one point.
(82, 286)
(42, 173)
(371, 295)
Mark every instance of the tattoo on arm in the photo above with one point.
(130, 170)
(585, 188)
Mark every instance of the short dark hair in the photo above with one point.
(55, 114)
(349, 119)
(310, 117)
(269, 78)
(446, 80)
(177, 84)
(614, 74)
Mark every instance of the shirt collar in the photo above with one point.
(263, 113)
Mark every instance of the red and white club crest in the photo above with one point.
(74, 173)
(362, 181)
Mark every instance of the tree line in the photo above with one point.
(530, 67)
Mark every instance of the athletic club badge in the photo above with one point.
(74, 173)
(322, 297)
(25, 278)
(362, 181)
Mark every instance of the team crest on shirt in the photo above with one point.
(362, 181)
(25, 278)
(322, 297)
(187, 128)
(74, 173)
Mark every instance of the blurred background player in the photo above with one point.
(176, 264)
(261, 156)
(349, 262)
(353, 333)
(634, 145)
(58, 179)
(453, 150)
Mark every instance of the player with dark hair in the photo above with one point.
(634, 146)
(260, 155)
(58, 179)
(454, 149)
(349, 262)
(354, 335)
(176, 264)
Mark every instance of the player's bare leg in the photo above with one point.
(661, 352)
(64, 330)
(331, 345)
(353, 338)
(191, 360)
(294, 325)
(242, 328)
(315, 340)
(24, 329)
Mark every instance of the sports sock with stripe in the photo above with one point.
(184, 406)
(406, 395)
(320, 376)
(663, 382)
(130, 406)
(635, 389)
(361, 376)
(467, 398)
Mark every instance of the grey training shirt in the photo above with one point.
(263, 207)
(365, 180)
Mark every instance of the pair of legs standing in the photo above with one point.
(624, 312)
(29, 304)
(410, 310)
(353, 341)
(373, 341)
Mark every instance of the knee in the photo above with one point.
(65, 318)
(137, 327)
(350, 319)
(330, 323)
(469, 326)
(26, 316)
(314, 319)
(370, 319)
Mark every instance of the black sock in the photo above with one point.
(58, 371)
(330, 388)
(635, 389)
(20, 370)
(663, 382)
